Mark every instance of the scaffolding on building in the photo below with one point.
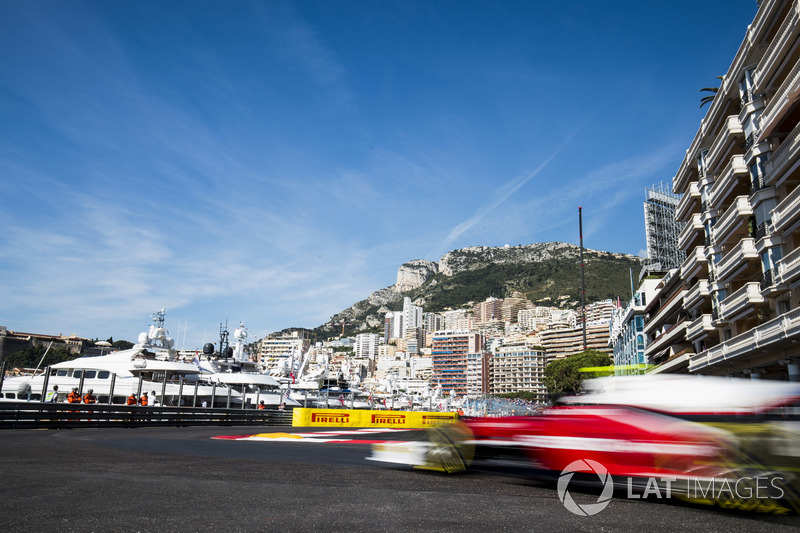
(662, 230)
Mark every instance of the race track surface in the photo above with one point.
(190, 479)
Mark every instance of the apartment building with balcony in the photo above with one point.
(518, 365)
(452, 364)
(627, 337)
(732, 308)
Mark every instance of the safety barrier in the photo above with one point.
(369, 419)
(63, 415)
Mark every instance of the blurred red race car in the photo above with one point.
(733, 443)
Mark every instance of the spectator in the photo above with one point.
(52, 397)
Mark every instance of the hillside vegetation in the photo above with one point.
(548, 274)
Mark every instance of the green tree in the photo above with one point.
(30, 357)
(563, 376)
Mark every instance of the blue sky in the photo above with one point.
(275, 162)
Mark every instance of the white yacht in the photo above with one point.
(241, 374)
(150, 366)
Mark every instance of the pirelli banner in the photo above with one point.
(302, 417)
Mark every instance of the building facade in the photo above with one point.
(449, 352)
(518, 365)
(732, 306)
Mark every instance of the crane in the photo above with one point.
(342, 323)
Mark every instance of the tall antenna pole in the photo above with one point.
(583, 281)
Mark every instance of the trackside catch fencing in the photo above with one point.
(21, 415)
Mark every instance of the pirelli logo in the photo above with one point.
(388, 419)
(330, 418)
(433, 420)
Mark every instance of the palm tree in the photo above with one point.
(710, 97)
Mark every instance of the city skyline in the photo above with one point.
(273, 163)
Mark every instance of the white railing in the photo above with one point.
(783, 156)
(732, 127)
(698, 327)
(687, 233)
(786, 211)
(733, 216)
(721, 187)
(744, 251)
(789, 267)
(781, 96)
(687, 200)
(693, 260)
(761, 337)
(769, 60)
(737, 302)
(699, 290)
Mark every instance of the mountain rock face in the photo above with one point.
(477, 257)
(414, 274)
(462, 276)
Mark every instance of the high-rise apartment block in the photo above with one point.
(450, 352)
(732, 307)
(518, 365)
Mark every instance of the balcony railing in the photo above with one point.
(762, 338)
(687, 235)
(687, 201)
(698, 291)
(783, 157)
(694, 260)
(735, 215)
(768, 278)
(734, 170)
(789, 267)
(731, 129)
(742, 252)
(699, 327)
(739, 301)
(781, 98)
(786, 212)
(764, 229)
(757, 184)
(769, 61)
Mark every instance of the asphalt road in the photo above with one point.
(180, 479)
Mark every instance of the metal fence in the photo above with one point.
(22, 415)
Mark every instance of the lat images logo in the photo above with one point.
(587, 509)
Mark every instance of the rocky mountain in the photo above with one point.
(546, 273)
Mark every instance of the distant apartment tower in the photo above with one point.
(412, 316)
(393, 325)
(490, 309)
(458, 319)
(518, 366)
(600, 312)
(662, 229)
(275, 348)
(415, 340)
(366, 345)
(449, 351)
(432, 322)
(512, 306)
